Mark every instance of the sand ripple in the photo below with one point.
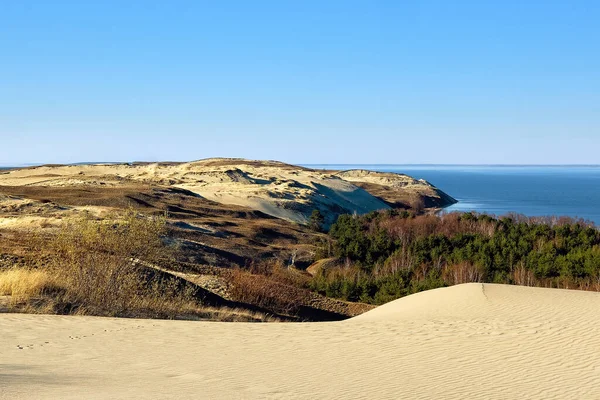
(468, 341)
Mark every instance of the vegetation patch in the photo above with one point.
(386, 255)
(92, 267)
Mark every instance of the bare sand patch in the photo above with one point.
(467, 341)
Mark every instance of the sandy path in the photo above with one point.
(468, 341)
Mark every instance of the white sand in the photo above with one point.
(281, 190)
(464, 342)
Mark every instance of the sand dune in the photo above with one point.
(281, 190)
(467, 341)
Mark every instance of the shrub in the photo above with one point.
(316, 221)
(96, 263)
(263, 292)
(94, 259)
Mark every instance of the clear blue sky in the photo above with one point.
(300, 81)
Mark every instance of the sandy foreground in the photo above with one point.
(467, 341)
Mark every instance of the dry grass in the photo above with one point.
(92, 262)
(278, 289)
(92, 259)
(23, 284)
(278, 271)
(27, 288)
(225, 314)
(233, 243)
(263, 292)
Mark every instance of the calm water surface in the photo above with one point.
(531, 190)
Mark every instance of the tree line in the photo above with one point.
(389, 254)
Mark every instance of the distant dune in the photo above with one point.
(469, 341)
(278, 189)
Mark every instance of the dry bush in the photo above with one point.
(348, 271)
(401, 260)
(23, 284)
(225, 314)
(406, 230)
(93, 260)
(266, 293)
(278, 271)
(524, 277)
(171, 303)
(31, 290)
(104, 267)
(464, 272)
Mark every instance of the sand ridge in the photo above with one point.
(281, 190)
(467, 341)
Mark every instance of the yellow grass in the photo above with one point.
(23, 283)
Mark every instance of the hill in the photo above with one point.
(237, 227)
(274, 188)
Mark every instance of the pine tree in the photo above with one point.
(316, 221)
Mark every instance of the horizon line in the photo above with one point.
(7, 165)
(456, 165)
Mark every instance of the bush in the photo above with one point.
(94, 260)
(97, 265)
(316, 221)
(266, 293)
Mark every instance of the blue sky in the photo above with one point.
(300, 81)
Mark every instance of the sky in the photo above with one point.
(389, 82)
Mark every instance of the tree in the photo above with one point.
(316, 221)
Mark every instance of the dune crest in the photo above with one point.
(277, 189)
(466, 341)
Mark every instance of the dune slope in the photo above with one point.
(467, 341)
(274, 188)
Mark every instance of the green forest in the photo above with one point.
(382, 256)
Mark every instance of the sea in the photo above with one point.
(572, 191)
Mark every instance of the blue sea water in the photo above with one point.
(572, 191)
